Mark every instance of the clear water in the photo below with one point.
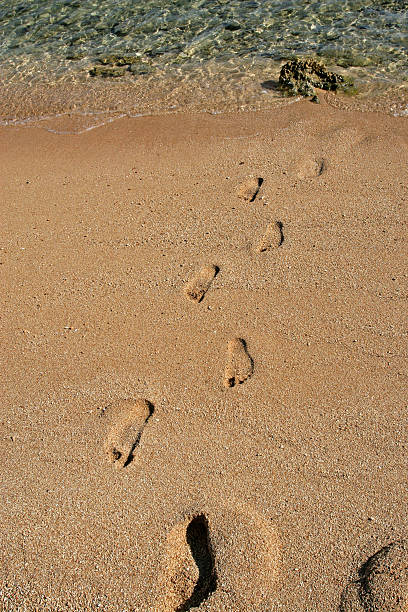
(212, 55)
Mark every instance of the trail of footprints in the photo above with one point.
(128, 418)
(204, 546)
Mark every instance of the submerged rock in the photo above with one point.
(107, 71)
(232, 26)
(299, 77)
(117, 65)
(118, 60)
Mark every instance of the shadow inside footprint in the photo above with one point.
(260, 181)
(280, 227)
(320, 166)
(198, 540)
(137, 440)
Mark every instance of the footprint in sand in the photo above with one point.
(309, 168)
(383, 583)
(249, 189)
(200, 283)
(240, 365)
(189, 576)
(273, 237)
(127, 420)
(219, 559)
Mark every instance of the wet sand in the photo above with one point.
(204, 364)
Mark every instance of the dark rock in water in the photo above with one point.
(118, 60)
(122, 29)
(232, 26)
(107, 71)
(299, 77)
(117, 65)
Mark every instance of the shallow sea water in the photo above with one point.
(189, 55)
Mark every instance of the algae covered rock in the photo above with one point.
(114, 65)
(107, 71)
(118, 60)
(299, 77)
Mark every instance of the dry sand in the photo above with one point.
(159, 259)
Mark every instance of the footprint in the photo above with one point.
(239, 365)
(200, 283)
(127, 419)
(221, 559)
(309, 168)
(273, 237)
(248, 190)
(189, 575)
(383, 583)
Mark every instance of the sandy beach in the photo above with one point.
(204, 364)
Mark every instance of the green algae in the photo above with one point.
(118, 60)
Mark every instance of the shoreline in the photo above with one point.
(209, 88)
(80, 122)
(108, 238)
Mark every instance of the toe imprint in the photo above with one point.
(249, 189)
(127, 421)
(239, 364)
(200, 283)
